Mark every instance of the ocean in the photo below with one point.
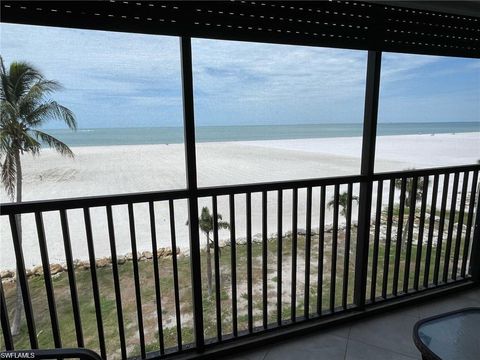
(174, 135)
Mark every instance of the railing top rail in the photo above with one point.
(278, 185)
(425, 172)
(90, 201)
(143, 197)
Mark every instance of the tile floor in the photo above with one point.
(383, 336)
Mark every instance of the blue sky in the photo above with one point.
(120, 80)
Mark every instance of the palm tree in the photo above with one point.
(409, 189)
(342, 202)
(25, 107)
(409, 194)
(205, 222)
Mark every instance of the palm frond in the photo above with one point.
(8, 113)
(22, 76)
(51, 110)
(223, 225)
(29, 144)
(9, 173)
(54, 143)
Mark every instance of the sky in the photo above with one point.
(132, 80)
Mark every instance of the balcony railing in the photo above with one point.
(421, 238)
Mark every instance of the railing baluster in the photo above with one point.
(321, 245)
(451, 223)
(71, 277)
(22, 278)
(233, 257)
(249, 262)
(333, 274)
(468, 232)
(156, 269)
(346, 259)
(93, 274)
(136, 278)
(431, 229)
(411, 220)
(7, 335)
(461, 214)
(279, 255)
(441, 224)
(421, 229)
(116, 282)
(264, 259)
(52, 307)
(376, 240)
(388, 238)
(171, 209)
(308, 244)
(473, 268)
(293, 290)
(398, 247)
(216, 260)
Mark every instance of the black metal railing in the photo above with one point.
(421, 238)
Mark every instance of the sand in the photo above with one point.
(103, 170)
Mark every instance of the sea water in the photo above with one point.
(174, 135)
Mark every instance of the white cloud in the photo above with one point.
(235, 82)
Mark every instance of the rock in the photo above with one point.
(241, 241)
(37, 270)
(257, 238)
(100, 263)
(147, 255)
(7, 274)
(56, 268)
(129, 256)
(121, 260)
(83, 265)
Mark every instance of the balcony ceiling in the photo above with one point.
(433, 28)
(467, 8)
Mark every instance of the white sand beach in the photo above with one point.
(103, 170)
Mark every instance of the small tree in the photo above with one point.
(205, 222)
(409, 193)
(342, 202)
(409, 189)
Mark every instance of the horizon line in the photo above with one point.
(265, 125)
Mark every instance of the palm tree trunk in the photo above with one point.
(406, 222)
(19, 300)
(209, 267)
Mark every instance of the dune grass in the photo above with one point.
(149, 307)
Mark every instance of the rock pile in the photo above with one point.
(10, 275)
